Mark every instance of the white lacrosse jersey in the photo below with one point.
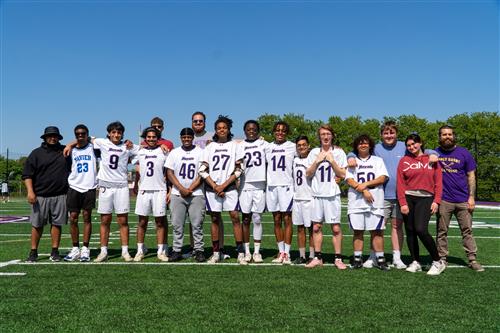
(185, 165)
(301, 184)
(221, 159)
(151, 164)
(114, 161)
(323, 181)
(366, 170)
(279, 159)
(254, 164)
(83, 169)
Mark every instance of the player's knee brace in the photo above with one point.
(257, 226)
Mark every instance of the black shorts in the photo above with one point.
(77, 201)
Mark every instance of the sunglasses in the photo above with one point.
(80, 133)
(198, 121)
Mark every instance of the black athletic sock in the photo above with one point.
(86, 244)
(318, 255)
(77, 244)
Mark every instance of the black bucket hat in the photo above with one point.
(51, 130)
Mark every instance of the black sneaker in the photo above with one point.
(199, 256)
(54, 256)
(357, 262)
(382, 264)
(300, 261)
(175, 256)
(33, 256)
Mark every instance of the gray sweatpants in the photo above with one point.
(195, 206)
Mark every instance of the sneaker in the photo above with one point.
(309, 260)
(414, 267)
(399, 264)
(257, 258)
(357, 262)
(279, 259)
(103, 256)
(368, 263)
(199, 256)
(382, 264)
(286, 259)
(161, 256)
(139, 256)
(32, 257)
(248, 257)
(215, 258)
(437, 268)
(175, 256)
(54, 256)
(339, 264)
(473, 264)
(315, 263)
(241, 259)
(188, 254)
(85, 254)
(127, 257)
(73, 255)
(300, 261)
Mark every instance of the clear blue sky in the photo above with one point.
(66, 62)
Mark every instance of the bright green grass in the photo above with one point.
(169, 297)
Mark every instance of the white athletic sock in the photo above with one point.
(311, 252)
(160, 248)
(256, 247)
(302, 252)
(104, 249)
(379, 254)
(287, 248)
(247, 247)
(396, 255)
(358, 253)
(140, 247)
(84, 248)
(124, 249)
(281, 247)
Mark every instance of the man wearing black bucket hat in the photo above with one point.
(45, 175)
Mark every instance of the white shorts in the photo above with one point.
(151, 203)
(218, 204)
(252, 201)
(279, 198)
(366, 221)
(326, 210)
(301, 212)
(113, 199)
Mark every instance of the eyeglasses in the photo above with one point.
(80, 133)
(197, 121)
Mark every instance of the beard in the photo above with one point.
(447, 143)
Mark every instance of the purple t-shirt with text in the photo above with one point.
(456, 164)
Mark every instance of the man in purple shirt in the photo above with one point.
(459, 187)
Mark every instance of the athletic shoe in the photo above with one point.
(85, 254)
(399, 264)
(279, 259)
(241, 259)
(368, 263)
(300, 261)
(161, 256)
(473, 264)
(257, 258)
(357, 262)
(309, 260)
(175, 256)
(127, 257)
(54, 256)
(215, 258)
(248, 257)
(315, 263)
(139, 256)
(103, 256)
(437, 268)
(414, 267)
(32, 257)
(339, 264)
(382, 264)
(188, 254)
(199, 256)
(286, 259)
(73, 255)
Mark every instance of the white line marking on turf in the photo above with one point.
(11, 262)
(12, 274)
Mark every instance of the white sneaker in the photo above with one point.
(399, 264)
(279, 259)
(127, 257)
(368, 263)
(138, 256)
(257, 258)
(215, 258)
(286, 259)
(73, 255)
(241, 259)
(162, 257)
(437, 268)
(103, 256)
(414, 267)
(248, 257)
(85, 254)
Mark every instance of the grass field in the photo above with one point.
(190, 297)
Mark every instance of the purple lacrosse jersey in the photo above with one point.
(455, 164)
